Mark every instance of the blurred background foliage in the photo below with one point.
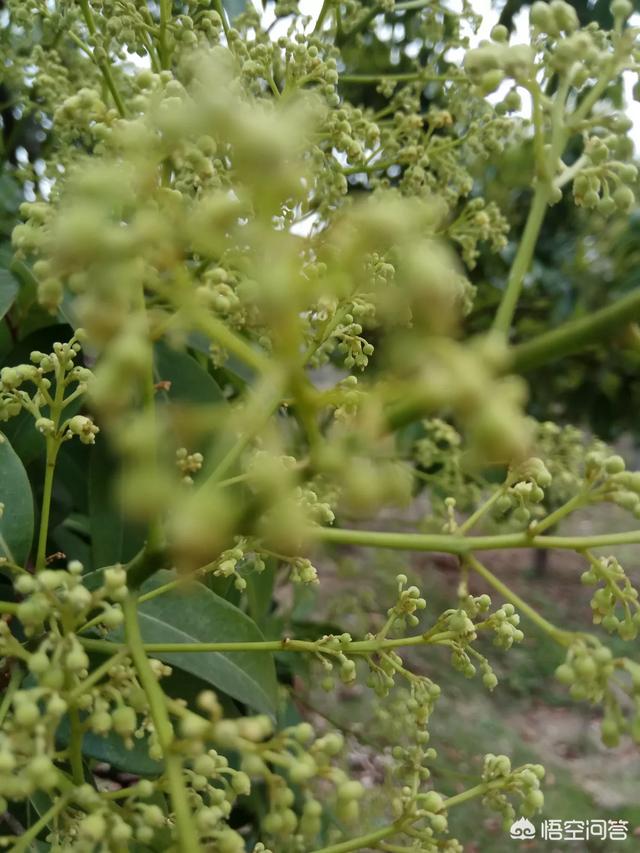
(572, 274)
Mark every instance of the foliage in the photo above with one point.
(238, 318)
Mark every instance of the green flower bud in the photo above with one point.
(38, 663)
(565, 674)
(621, 9)
(500, 34)
(241, 783)
(432, 802)
(27, 714)
(490, 81)
(7, 761)
(535, 799)
(348, 811)
(489, 680)
(351, 790)
(303, 769)
(610, 732)
(124, 721)
(93, 827)
(624, 198)
(564, 15)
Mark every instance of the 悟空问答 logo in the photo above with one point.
(522, 829)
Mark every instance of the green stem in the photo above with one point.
(219, 7)
(9, 692)
(482, 510)
(567, 508)
(538, 127)
(105, 68)
(359, 647)
(75, 746)
(165, 17)
(522, 260)
(401, 77)
(584, 107)
(185, 828)
(576, 335)
(326, 5)
(265, 403)
(53, 446)
(96, 675)
(23, 843)
(219, 332)
(463, 545)
(8, 607)
(364, 841)
(564, 638)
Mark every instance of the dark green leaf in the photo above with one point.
(8, 291)
(190, 383)
(200, 616)
(111, 749)
(260, 587)
(16, 522)
(107, 526)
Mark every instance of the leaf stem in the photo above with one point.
(522, 260)
(187, 835)
(364, 841)
(397, 826)
(165, 17)
(482, 510)
(96, 674)
(574, 503)
(359, 647)
(564, 638)
(105, 68)
(576, 335)
(447, 544)
(53, 446)
(23, 843)
(14, 683)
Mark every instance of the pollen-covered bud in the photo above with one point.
(565, 16)
(541, 17)
(624, 198)
(621, 9)
(84, 428)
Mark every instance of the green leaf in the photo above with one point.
(111, 749)
(200, 616)
(8, 291)
(16, 521)
(190, 383)
(107, 526)
(260, 586)
(114, 539)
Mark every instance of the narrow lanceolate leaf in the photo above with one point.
(16, 519)
(200, 616)
(8, 291)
